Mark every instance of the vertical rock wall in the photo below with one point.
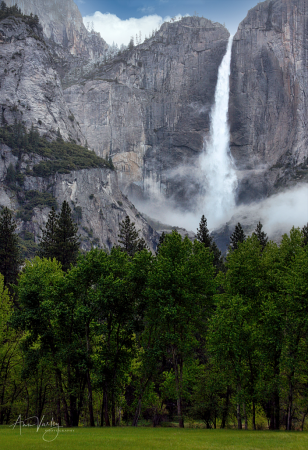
(30, 88)
(269, 89)
(63, 24)
(149, 109)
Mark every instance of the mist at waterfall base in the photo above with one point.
(278, 213)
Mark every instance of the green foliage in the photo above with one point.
(129, 238)
(119, 337)
(262, 237)
(10, 356)
(203, 236)
(34, 199)
(27, 245)
(60, 238)
(59, 156)
(237, 237)
(305, 234)
(9, 249)
(180, 289)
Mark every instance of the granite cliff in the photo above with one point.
(30, 87)
(149, 107)
(62, 24)
(268, 98)
(31, 94)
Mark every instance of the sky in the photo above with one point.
(118, 20)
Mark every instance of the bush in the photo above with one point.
(34, 199)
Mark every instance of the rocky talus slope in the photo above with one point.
(268, 99)
(62, 23)
(149, 108)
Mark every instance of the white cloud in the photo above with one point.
(113, 29)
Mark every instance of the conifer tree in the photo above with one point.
(261, 235)
(305, 234)
(128, 237)
(238, 236)
(161, 241)
(60, 238)
(142, 245)
(9, 250)
(203, 236)
(47, 246)
(67, 241)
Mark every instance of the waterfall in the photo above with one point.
(220, 179)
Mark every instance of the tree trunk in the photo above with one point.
(303, 420)
(90, 396)
(239, 417)
(73, 411)
(253, 415)
(290, 404)
(137, 412)
(178, 382)
(90, 399)
(66, 415)
(102, 414)
(245, 416)
(275, 416)
(113, 417)
(105, 406)
(225, 409)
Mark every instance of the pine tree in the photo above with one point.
(203, 236)
(142, 245)
(128, 237)
(305, 234)
(67, 241)
(60, 238)
(161, 241)
(47, 246)
(237, 237)
(261, 235)
(9, 249)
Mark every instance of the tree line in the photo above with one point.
(14, 11)
(106, 338)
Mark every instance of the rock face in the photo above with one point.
(30, 88)
(149, 109)
(63, 24)
(94, 192)
(31, 93)
(268, 98)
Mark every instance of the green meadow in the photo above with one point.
(128, 438)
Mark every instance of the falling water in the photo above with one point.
(216, 161)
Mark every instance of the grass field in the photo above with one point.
(128, 438)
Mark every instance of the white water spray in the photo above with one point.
(216, 160)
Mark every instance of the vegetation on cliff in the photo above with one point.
(14, 11)
(58, 156)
